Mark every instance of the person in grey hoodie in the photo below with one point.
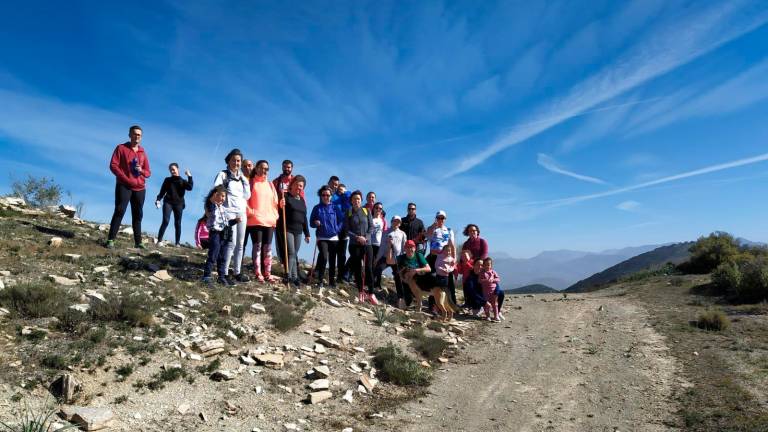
(358, 226)
(238, 192)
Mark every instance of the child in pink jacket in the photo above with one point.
(489, 279)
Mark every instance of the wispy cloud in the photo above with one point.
(667, 49)
(549, 164)
(628, 206)
(710, 169)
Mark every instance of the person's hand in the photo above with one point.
(306, 239)
(360, 240)
(139, 170)
(157, 203)
(187, 173)
(238, 219)
(281, 203)
(317, 223)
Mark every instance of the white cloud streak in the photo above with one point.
(682, 41)
(710, 169)
(628, 206)
(549, 164)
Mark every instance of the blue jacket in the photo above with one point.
(342, 201)
(331, 220)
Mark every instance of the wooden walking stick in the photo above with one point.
(285, 239)
(312, 268)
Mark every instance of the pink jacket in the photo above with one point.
(262, 205)
(201, 232)
(489, 279)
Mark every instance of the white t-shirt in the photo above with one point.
(378, 228)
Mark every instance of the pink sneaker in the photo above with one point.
(372, 299)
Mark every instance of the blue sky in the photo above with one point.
(579, 125)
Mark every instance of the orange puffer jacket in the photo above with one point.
(262, 205)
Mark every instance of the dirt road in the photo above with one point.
(588, 363)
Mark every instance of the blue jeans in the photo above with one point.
(217, 250)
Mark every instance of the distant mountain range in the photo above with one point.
(559, 269)
(675, 254)
(532, 289)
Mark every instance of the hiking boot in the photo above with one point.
(110, 244)
(230, 280)
(222, 281)
(242, 277)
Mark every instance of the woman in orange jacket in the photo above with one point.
(262, 219)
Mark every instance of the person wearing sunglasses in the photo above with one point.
(413, 227)
(262, 220)
(328, 221)
(442, 251)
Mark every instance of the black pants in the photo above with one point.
(167, 209)
(379, 268)
(376, 276)
(341, 256)
(326, 254)
(360, 259)
(124, 195)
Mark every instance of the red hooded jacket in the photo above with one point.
(122, 165)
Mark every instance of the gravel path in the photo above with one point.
(588, 363)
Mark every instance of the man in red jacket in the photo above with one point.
(130, 166)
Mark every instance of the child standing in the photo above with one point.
(489, 279)
(219, 223)
(201, 233)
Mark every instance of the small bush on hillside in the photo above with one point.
(727, 277)
(398, 368)
(35, 300)
(289, 312)
(430, 347)
(38, 192)
(753, 286)
(133, 310)
(713, 319)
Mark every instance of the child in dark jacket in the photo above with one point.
(219, 221)
(328, 222)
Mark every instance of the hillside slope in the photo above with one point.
(675, 254)
(532, 289)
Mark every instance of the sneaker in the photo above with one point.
(242, 277)
(496, 319)
(222, 281)
(141, 246)
(372, 299)
(231, 281)
(401, 303)
(476, 312)
(207, 280)
(110, 244)
(260, 278)
(501, 317)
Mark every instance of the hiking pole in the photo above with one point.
(285, 240)
(312, 268)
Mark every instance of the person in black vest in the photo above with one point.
(172, 195)
(295, 224)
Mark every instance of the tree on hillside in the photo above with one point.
(37, 192)
(711, 251)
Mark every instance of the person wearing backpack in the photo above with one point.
(358, 226)
(238, 192)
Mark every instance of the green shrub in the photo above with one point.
(711, 251)
(380, 315)
(430, 347)
(35, 300)
(124, 371)
(164, 376)
(727, 277)
(33, 420)
(54, 361)
(397, 368)
(71, 321)
(713, 319)
(288, 313)
(134, 310)
(753, 286)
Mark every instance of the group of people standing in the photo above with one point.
(243, 203)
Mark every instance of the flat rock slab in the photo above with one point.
(317, 397)
(328, 342)
(163, 275)
(275, 361)
(322, 371)
(61, 280)
(320, 384)
(88, 418)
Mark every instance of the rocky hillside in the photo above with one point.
(131, 339)
(532, 289)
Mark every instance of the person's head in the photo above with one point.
(341, 189)
(248, 167)
(297, 185)
(134, 133)
(370, 198)
(260, 169)
(217, 195)
(466, 255)
(396, 221)
(234, 160)
(287, 167)
(440, 218)
(325, 194)
(472, 231)
(356, 199)
(333, 183)
(378, 208)
(411, 210)
(477, 267)
(488, 264)
(410, 248)
(173, 168)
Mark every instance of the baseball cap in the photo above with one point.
(441, 213)
(396, 217)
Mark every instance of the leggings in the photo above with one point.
(216, 254)
(124, 195)
(360, 259)
(381, 265)
(167, 209)
(261, 237)
(341, 256)
(235, 246)
(294, 243)
(327, 254)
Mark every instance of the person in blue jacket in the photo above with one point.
(328, 221)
